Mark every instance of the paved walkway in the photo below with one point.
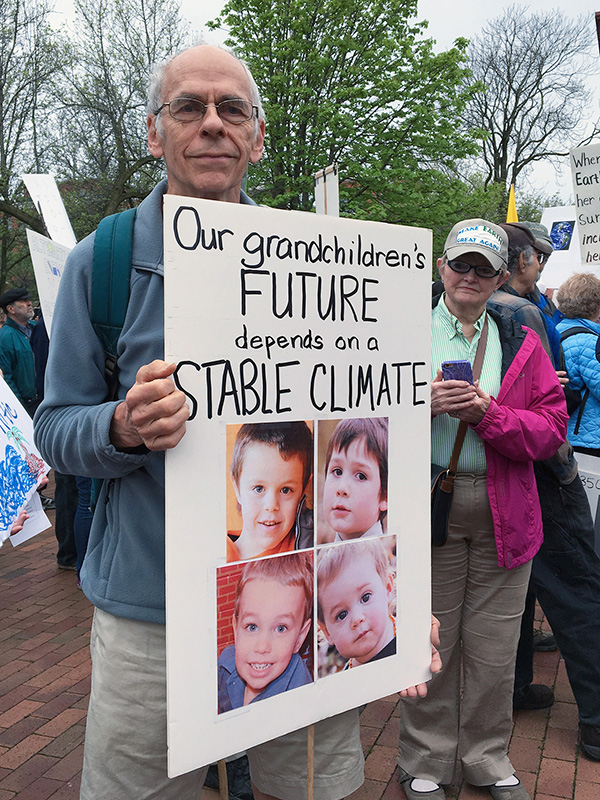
(44, 686)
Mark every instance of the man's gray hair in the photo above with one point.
(155, 85)
(514, 253)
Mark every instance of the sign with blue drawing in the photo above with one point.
(21, 467)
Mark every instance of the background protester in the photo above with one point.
(515, 414)
(579, 300)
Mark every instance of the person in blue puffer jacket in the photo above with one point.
(579, 301)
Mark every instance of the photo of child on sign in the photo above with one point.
(264, 611)
(356, 603)
(353, 480)
(270, 489)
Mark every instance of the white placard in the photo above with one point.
(46, 197)
(48, 259)
(21, 466)
(327, 191)
(36, 523)
(589, 472)
(563, 227)
(288, 317)
(585, 172)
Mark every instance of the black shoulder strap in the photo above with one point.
(574, 330)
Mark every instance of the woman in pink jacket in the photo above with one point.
(516, 414)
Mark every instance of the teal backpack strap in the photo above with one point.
(111, 273)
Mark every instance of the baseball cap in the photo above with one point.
(478, 236)
(12, 295)
(543, 242)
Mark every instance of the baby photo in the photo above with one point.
(269, 493)
(264, 623)
(353, 479)
(356, 603)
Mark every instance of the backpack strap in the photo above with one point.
(574, 330)
(584, 398)
(111, 274)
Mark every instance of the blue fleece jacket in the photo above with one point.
(583, 369)
(124, 568)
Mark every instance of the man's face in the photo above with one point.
(355, 606)
(269, 629)
(20, 311)
(269, 491)
(530, 272)
(352, 500)
(207, 158)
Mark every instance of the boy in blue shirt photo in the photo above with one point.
(271, 620)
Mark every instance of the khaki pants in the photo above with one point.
(479, 605)
(125, 755)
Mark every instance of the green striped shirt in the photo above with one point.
(448, 343)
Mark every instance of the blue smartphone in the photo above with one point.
(459, 370)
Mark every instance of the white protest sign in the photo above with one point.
(21, 466)
(46, 197)
(296, 325)
(48, 259)
(36, 523)
(585, 172)
(327, 191)
(589, 472)
(562, 225)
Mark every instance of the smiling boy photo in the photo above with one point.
(271, 620)
(271, 467)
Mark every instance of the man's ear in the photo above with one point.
(235, 489)
(259, 140)
(234, 626)
(155, 142)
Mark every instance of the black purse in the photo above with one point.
(442, 478)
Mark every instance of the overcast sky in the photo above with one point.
(447, 21)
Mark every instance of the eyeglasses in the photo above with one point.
(541, 257)
(481, 270)
(188, 109)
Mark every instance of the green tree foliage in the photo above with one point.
(352, 82)
(533, 68)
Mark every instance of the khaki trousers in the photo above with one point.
(125, 755)
(479, 605)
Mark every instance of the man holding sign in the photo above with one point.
(205, 119)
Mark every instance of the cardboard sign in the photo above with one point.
(46, 197)
(48, 260)
(585, 172)
(561, 222)
(303, 346)
(589, 472)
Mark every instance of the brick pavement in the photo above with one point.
(44, 686)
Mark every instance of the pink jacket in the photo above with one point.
(527, 422)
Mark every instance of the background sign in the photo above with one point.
(589, 472)
(585, 172)
(46, 197)
(48, 260)
(313, 323)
